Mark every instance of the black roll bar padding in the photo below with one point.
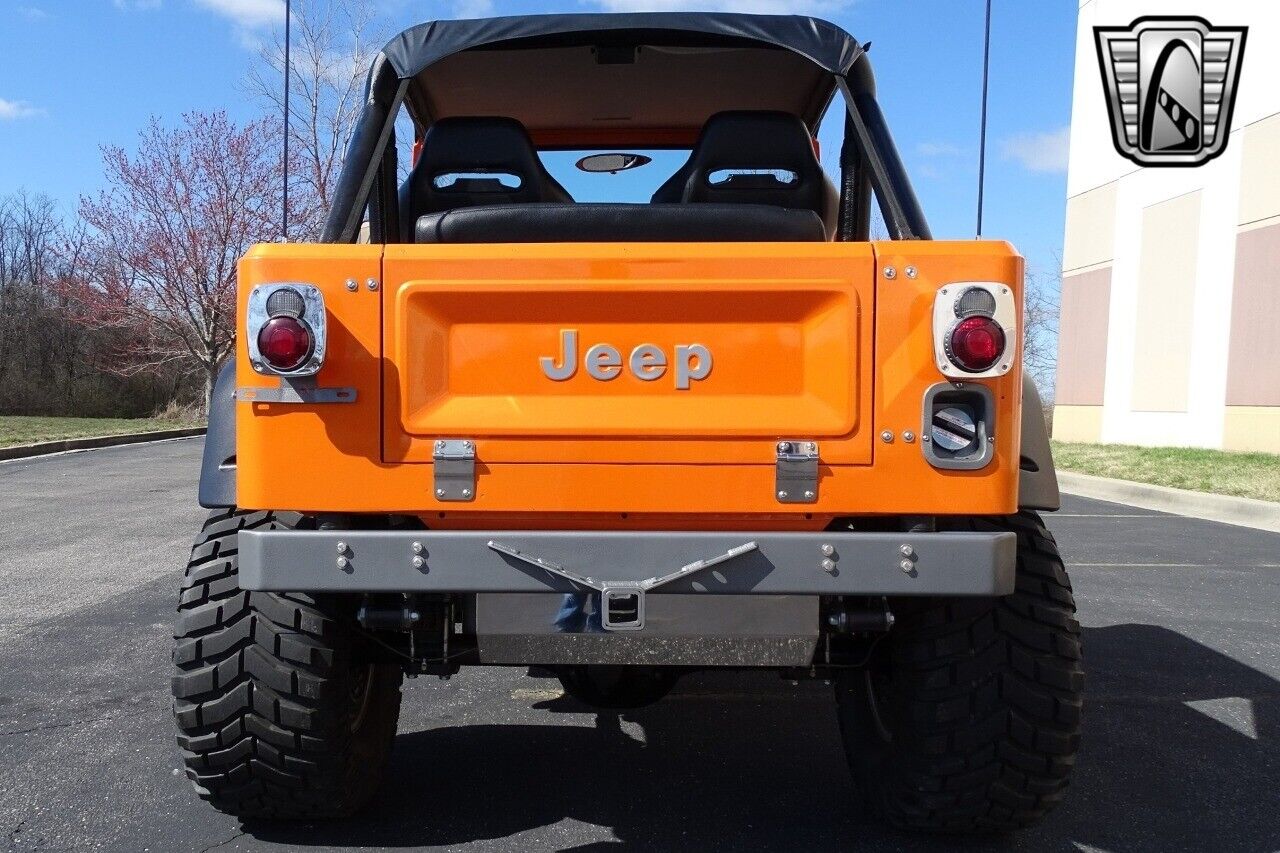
(383, 94)
(384, 204)
(854, 222)
(898, 203)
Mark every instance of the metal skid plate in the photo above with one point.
(796, 472)
(454, 465)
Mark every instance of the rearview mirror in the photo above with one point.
(615, 162)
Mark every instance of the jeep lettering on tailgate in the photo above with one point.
(647, 362)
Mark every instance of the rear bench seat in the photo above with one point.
(751, 177)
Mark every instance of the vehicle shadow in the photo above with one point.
(744, 761)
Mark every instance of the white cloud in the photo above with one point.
(938, 149)
(248, 14)
(758, 7)
(1044, 151)
(472, 8)
(32, 13)
(18, 109)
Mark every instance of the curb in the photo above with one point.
(1243, 512)
(44, 448)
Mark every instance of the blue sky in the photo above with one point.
(77, 74)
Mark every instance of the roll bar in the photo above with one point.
(869, 160)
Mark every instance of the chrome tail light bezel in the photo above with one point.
(313, 315)
(946, 317)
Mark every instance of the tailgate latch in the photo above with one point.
(454, 463)
(795, 478)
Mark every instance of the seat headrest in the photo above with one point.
(473, 161)
(754, 157)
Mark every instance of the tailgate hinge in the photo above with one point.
(796, 472)
(454, 463)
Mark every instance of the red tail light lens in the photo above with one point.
(285, 343)
(976, 343)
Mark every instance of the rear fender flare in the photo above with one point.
(1037, 479)
(218, 468)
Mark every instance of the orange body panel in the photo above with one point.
(467, 330)
(809, 342)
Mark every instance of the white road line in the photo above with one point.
(1110, 515)
(1172, 566)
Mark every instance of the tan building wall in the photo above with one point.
(1082, 342)
(1252, 417)
(1166, 289)
(1170, 321)
(1253, 368)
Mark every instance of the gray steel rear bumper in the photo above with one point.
(949, 563)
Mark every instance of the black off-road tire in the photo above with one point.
(617, 687)
(967, 718)
(278, 716)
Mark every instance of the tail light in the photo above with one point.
(974, 329)
(975, 344)
(286, 329)
(285, 343)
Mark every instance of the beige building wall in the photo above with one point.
(1252, 417)
(1166, 290)
(1170, 323)
(1088, 248)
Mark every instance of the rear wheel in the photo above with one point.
(967, 717)
(279, 713)
(617, 686)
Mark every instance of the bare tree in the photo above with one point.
(158, 266)
(50, 364)
(1041, 304)
(333, 44)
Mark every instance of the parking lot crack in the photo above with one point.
(222, 843)
(64, 725)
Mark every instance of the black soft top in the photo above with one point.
(624, 78)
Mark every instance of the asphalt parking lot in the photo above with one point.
(1181, 748)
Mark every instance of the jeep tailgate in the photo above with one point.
(635, 353)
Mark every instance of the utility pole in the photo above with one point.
(982, 139)
(284, 208)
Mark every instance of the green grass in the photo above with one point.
(21, 429)
(1248, 475)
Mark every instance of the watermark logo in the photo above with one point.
(1170, 84)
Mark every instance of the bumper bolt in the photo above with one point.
(907, 566)
(418, 562)
(342, 547)
(828, 549)
(342, 562)
(417, 548)
(828, 565)
(905, 550)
